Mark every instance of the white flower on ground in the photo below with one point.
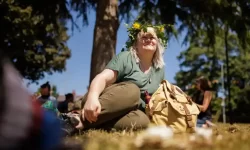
(204, 132)
(155, 135)
(161, 131)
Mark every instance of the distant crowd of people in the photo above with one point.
(60, 109)
(51, 103)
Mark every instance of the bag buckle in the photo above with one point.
(190, 124)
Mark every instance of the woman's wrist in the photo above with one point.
(93, 96)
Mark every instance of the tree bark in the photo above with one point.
(105, 34)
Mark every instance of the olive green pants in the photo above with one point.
(119, 108)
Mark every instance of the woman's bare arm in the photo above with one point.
(92, 107)
(102, 80)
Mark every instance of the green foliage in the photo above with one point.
(201, 59)
(34, 35)
(125, 8)
(54, 91)
(193, 15)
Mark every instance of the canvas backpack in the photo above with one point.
(170, 106)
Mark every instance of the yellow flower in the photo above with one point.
(136, 25)
(162, 29)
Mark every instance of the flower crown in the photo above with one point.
(138, 27)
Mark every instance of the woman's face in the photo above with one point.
(45, 91)
(198, 85)
(147, 42)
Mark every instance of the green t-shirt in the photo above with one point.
(128, 70)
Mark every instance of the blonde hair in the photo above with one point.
(158, 61)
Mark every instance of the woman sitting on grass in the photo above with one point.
(203, 99)
(116, 96)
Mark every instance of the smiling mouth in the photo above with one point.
(148, 45)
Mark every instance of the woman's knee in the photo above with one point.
(134, 120)
(124, 92)
(134, 91)
(143, 122)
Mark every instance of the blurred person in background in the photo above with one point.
(46, 100)
(63, 106)
(203, 99)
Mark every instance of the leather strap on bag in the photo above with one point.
(172, 91)
(165, 89)
(188, 116)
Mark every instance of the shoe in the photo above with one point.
(76, 120)
(68, 128)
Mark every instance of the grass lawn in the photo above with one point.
(225, 137)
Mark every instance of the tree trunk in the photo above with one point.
(105, 33)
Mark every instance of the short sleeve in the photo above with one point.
(118, 64)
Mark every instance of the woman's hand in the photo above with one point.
(92, 109)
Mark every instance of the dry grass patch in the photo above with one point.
(225, 137)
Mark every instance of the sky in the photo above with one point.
(76, 76)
